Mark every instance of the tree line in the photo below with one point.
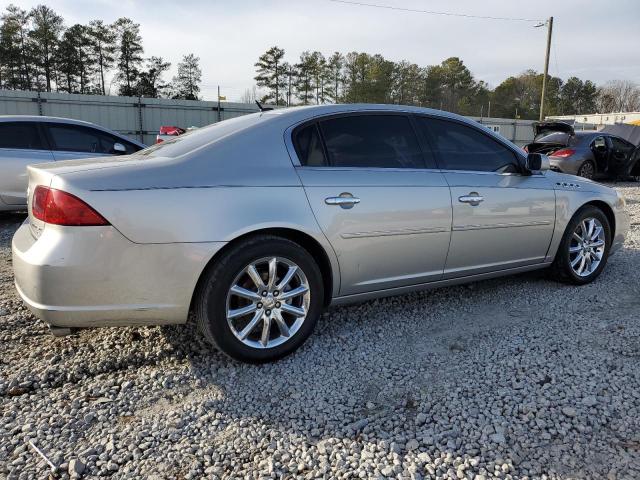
(39, 52)
(358, 77)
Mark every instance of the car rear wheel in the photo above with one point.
(261, 300)
(584, 248)
(587, 170)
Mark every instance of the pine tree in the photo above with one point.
(74, 60)
(334, 76)
(186, 84)
(150, 83)
(304, 77)
(10, 55)
(102, 38)
(47, 26)
(17, 21)
(271, 75)
(129, 54)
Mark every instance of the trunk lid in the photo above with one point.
(540, 129)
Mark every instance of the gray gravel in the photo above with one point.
(511, 378)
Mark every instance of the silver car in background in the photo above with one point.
(26, 139)
(256, 224)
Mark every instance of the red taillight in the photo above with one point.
(61, 208)
(563, 153)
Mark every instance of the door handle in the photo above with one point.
(344, 200)
(472, 199)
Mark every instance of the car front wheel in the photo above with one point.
(584, 248)
(261, 300)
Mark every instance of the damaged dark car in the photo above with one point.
(586, 153)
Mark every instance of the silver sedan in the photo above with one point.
(257, 224)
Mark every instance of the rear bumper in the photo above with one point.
(93, 276)
(564, 165)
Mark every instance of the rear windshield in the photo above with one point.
(200, 137)
(555, 137)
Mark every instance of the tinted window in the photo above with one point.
(74, 138)
(621, 145)
(555, 137)
(309, 146)
(23, 135)
(459, 147)
(383, 141)
(599, 143)
(108, 141)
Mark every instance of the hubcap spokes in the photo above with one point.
(268, 302)
(586, 248)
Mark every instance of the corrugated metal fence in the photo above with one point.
(519, 132)
(140, 118)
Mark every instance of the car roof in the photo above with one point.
(310, 111)
(42, 118)
(70, 121)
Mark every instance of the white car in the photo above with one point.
(25, 140)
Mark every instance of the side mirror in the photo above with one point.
(536, 162)
(119, 148)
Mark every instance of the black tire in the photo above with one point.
(561, 269)
(587, 170)
(210, 301)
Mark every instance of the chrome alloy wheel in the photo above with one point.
(268, 302)
(587, 245)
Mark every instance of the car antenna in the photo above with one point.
(263, 109)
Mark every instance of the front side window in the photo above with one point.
(621, 146)
(73, 138)
(371, 141)
(20, 135)
(459, 147)
(107, 142)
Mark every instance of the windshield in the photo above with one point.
(200, 137)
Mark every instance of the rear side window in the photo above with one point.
(309, 146)
(20, 135)
(371, 141)
(459, 147)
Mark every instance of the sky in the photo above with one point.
(596, 40)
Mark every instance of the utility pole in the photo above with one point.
(546, 64)
(219, 112)
(289, 90)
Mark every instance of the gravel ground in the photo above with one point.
(512, 378)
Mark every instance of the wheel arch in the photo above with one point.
(306, 241)
(607, 210)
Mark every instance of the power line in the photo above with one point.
(433, 12)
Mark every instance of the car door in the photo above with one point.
(621, 159)
(383, 207)
(501, 218)
(21, 144)
(70, 141)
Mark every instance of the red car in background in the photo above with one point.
(168, 132)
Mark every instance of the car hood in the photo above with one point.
(563, 181)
